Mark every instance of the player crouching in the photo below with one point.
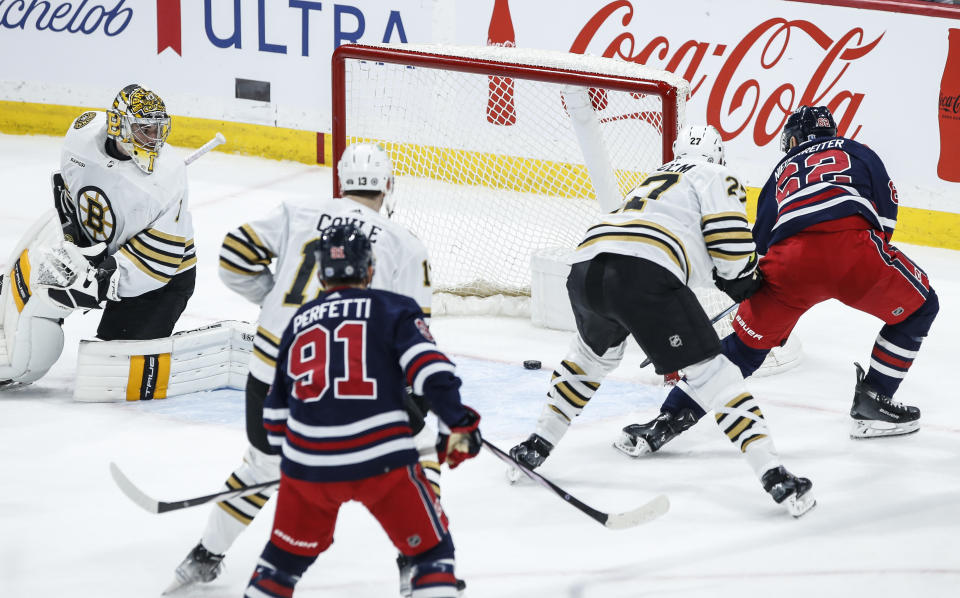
(632, 275)
(123, 240)
(336, 411)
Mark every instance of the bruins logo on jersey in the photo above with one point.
(84, 120)
(96, 215)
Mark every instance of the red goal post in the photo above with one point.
(494, 160)
(672, 91)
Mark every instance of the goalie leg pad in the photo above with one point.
(30, 336)
(191, 361)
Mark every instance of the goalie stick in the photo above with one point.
(152, 505)
(643, 514)
(218, 139)
(713, 320)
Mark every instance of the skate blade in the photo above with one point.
(799, 506)
(513, 475)
(625, 444)
(175, 586)
(869, 428)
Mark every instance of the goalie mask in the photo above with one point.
(807, 123)
(701, 141)
(139, 123)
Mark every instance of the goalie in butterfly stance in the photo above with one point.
(824, 221)
(632, 276)
(124, 237)
(336, 411)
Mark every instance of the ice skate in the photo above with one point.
(789, 490)
(406, 573)
(532, 452)
(200, 565)
(875, 414)
(640, 439)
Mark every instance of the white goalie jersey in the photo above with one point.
(289, 234)
(688, 216)
(142, 218)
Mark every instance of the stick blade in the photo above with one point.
(132, 492)
(644, 514)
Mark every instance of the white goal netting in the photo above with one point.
(488, 163)
(501, 153)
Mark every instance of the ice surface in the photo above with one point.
(887, 523)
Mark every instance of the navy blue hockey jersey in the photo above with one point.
(336, 404)
(820, 180)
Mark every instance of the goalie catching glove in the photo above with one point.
(80, 278)
(743, 286)
(459, 442)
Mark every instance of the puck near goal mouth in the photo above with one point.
(532, 364)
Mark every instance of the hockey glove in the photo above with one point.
(78, 284)
(459, 442)
(740, 288)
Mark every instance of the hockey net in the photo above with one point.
(488, 165)
(495, 160)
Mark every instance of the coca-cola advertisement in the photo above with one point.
(879, 69)
(750, 65)
(948, 167)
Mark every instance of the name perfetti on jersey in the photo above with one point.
(336, 405)
(338, 308)
(271, 261)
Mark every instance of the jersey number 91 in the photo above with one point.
(313, 357)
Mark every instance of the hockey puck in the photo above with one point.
(531, 364)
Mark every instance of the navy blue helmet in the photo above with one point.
(806, 123)
(344, 254)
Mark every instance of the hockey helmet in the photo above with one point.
(365, 167)
(807, 123)
(699, 140)
(139, 123)
(344, 254)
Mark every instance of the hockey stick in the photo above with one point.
(713, 320)
(218, 139)
(152, 505)
(643, 514)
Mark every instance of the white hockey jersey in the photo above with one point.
(143, 218)
(688, 216)
(290, 234)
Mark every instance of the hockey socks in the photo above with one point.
(277, 572)
(572, 386)
(897, 346)
(746, 358)
(743, 423)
